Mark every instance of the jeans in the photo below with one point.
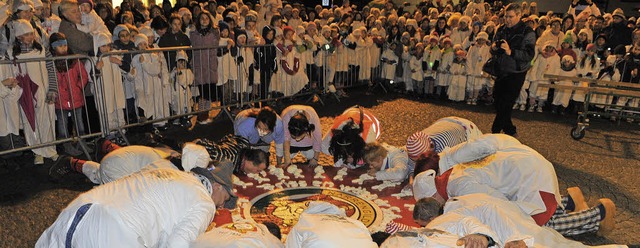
(62, 124)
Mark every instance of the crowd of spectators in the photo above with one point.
(257, 50)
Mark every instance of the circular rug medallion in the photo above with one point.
(284, 206)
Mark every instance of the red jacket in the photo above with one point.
(70, 85)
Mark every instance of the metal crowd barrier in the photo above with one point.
(151, 91)
(31, 114)
(602, 98)
(134, 88)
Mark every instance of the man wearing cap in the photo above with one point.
(123, 161)
(444, 133)
(152, 208)
(500, 166)
(78, 41)
(618, 33)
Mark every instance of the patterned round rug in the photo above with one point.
(284, 206)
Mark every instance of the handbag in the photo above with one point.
(489, 67)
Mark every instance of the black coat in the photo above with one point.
(522, 42)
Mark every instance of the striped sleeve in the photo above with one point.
(51, 73)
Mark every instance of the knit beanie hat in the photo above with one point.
(147, 31)
(139, 39)
(482, 35)
(286, 29)
(37, 3)
(568, 38)
(21, 5)
(418, 143)
(90, 2)
(117, 30)
(22, 26)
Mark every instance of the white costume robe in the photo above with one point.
(227, 67)
(153, 208)
(444, 74)
(477, 57)
(501, 167)
(121, 162)
(10, 118)
(550, 65)
(44, 112)
(181, 82)
(458, 80)
(562, 96)
(152, 85)
(579, 95)
(243, 234)
(389, 67)
(110, 85)
(501, 220)
(323, 225)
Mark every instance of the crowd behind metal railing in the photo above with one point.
(152, 93)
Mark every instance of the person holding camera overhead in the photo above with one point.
(512, 49)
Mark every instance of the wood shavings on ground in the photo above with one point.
(385, 184)
(406, 191)
(319, 172)
(258, 178)
(266, 186)
(297, 172)
(362, 178)
(409, 206)
(278, 173)
(340, 175)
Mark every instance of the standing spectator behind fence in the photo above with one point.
(174, 38)
(10, 93)
(514, 47)
(227, 68)
(37, 109)
(78, 41)
(72, 78)
(266, 60)
(181, 81)
(151, 82)
(109, 72)
(123, 41)
(205, 61)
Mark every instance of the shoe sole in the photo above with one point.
(608, 223)
(578, 199)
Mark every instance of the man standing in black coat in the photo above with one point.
(513, 48)
(618, 33)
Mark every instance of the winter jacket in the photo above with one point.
(266, 55)
(521, 40)
(70, 87)
(205, 61)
